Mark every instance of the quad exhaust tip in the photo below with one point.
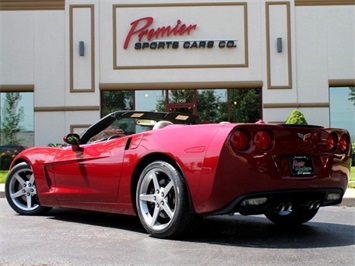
(288, 206)
(313, 205)
(285, 207)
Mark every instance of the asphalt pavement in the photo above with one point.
(348, 199)
(73, 237)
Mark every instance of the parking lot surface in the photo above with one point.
(71, 237)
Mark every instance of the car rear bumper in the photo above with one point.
(262, 202)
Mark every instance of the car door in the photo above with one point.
(90, 173)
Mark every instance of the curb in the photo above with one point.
(348, 202)
(2, 191)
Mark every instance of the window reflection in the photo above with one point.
(16, 125)
(17, 118)
(211, 105)
(116, 100)
(342, 108)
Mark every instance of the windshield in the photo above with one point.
(119, 128)
(125, 123)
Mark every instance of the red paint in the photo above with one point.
(100, 176)
(141, 28)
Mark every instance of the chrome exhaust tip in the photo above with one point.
(288, 207)
(310, 205)
(281, 207)
(316, 204)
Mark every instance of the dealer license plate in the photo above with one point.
(301, 166)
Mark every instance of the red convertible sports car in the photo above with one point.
(169, 169)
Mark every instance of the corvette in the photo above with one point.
(169, 169)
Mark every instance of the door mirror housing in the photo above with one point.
(73, 139)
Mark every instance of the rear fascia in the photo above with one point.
(253, 171)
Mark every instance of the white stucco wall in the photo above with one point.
(325, 43)
(16, 50)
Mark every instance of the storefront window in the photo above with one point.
(211, 105)
(181, 101)
(146, 100)
(16, 125)
(342, 108)
(245, 105)
(142, 100)
(116, 100)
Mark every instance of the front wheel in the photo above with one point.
(162, 201)
(21, 191)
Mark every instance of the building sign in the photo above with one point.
(150, 37)
(181, 37)
(141, 28)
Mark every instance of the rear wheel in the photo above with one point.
(21, 191)
(162, 201)
(296, 216)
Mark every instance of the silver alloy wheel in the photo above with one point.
(157, 199)
(162, 201)
(22, 190)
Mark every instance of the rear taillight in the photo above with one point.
(344, 143)
(262, 140)
(332, 141)
(240, 140)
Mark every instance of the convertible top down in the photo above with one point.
(169, 169)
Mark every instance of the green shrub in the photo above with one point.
(6, 159)
(296, 117)
(55, 145)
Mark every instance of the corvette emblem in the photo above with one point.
(304, 136)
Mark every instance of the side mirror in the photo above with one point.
(72, 139)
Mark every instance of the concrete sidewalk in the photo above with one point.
(348, 200)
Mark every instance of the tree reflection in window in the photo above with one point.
(114, 100)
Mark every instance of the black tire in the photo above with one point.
(297, 216)
(162, 201)
(21, 192)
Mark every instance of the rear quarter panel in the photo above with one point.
(195, 149)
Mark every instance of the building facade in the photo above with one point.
(69, 62)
